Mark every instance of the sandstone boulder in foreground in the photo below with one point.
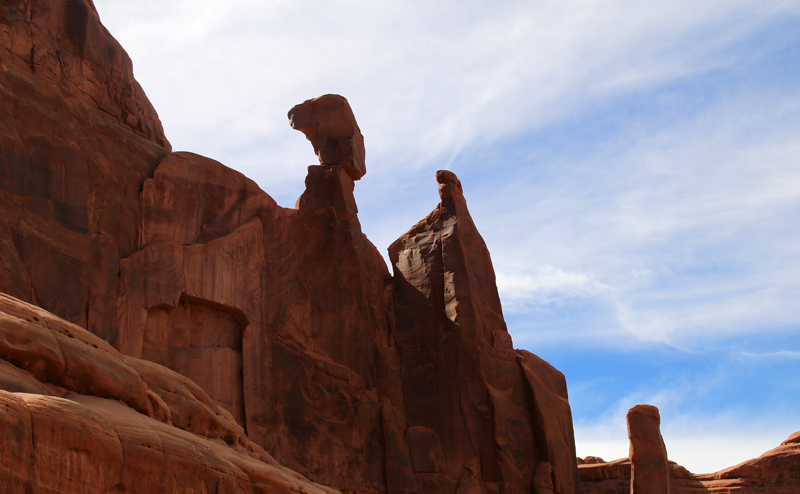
(78, 417)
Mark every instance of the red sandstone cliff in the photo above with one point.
(294, 354)
(77, 140)
(279, 324)
(77, 416)
(463, 382)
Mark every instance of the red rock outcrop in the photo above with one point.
(776, 472)
(500, 416)
(77, 140)
(328, 122)
(283, 328)
(649, 465)
(277, 313)
(78, 417)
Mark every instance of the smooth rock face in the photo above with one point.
(553, 419)
(649, 465)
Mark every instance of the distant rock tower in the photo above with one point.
(649, 466)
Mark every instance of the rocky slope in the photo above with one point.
(289, 342)
(77, 416)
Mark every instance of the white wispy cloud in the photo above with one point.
(687, 229)
(703, 440)
(426, 79)
(548, 285)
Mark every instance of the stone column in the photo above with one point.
(649, 465)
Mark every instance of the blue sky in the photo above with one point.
(634, 168)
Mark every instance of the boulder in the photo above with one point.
(329, 123)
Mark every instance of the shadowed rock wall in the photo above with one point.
(462, 380)
(77, 140)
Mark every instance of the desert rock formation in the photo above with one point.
(495, 411)
(328, 122)
(649, 465)
(775, 472)
(79, 417)
(165, 326)
(239, 327)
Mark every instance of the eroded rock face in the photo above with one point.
(77, 140)
(278, 314)
(247, 329)
(498, 414)
(648, 454)
(78, 417)
(328, 122)
(775, 472)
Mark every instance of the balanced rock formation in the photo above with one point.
(220, 323)
(649, 465)
(328, 122)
